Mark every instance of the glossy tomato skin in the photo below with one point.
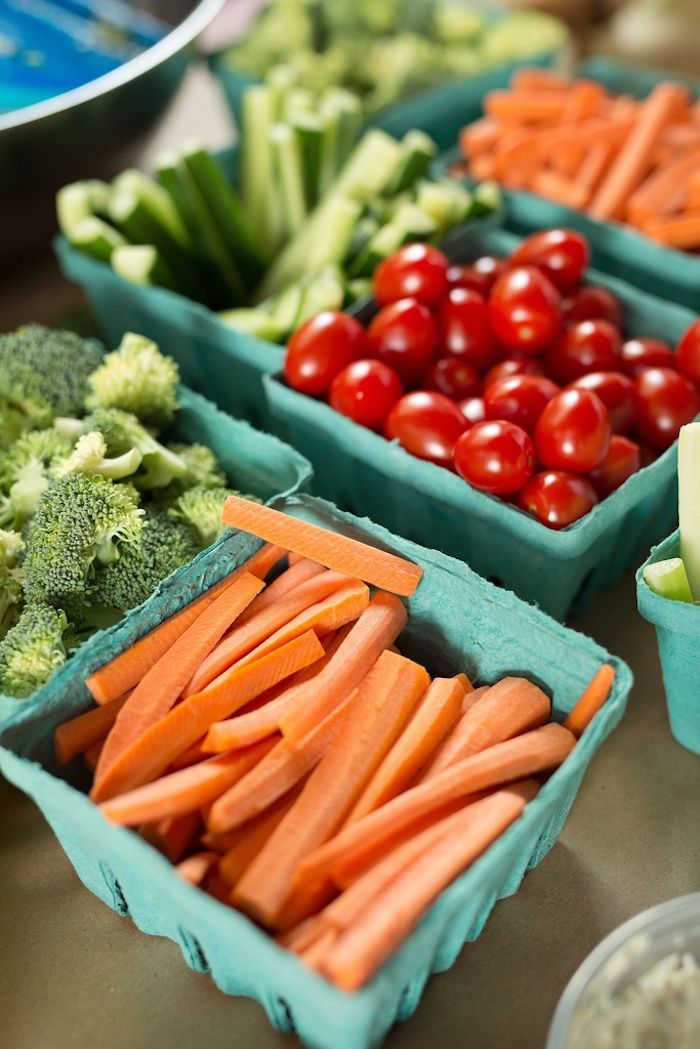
(616, 391)
(473, 410)
(663, 402)
(589, 346)
(465, 329)
(479, 276)
(320, 349)
(404, 336)
(561, 254)
(521, 399)
(522, 365)
(495, 457)
(573, 432)
(623, 460)
(638, 354)
(525, 310)
(453, 377)
(417, 271)
(426, 424)
(365, 392)
(688, 353)
(592, 303)
(557, 498)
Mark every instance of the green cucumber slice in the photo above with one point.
(669, 579)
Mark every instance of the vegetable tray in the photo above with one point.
(360, 471)
(458, 621)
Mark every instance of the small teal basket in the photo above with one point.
(678, 636)
(361, 471)
(453, 613)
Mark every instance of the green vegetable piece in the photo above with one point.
(668, 579)
(689, 502)
(309, 133)
(12, 548)
(286, 157)
(32, 650)
(143, 264)
(252, 320)
(25, 472)
(419, 151)
(202, 466)
(123, 432)
(80, 201)
(137, 378)
(95, 237)
(88, 457)
(200, 508)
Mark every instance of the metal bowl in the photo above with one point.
(91, 130)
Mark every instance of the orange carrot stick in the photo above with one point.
(481, 135)
(294, 576)
(693, 190)
(591, 700)
(527, 106)
(173, 836)
(84, 731)
(680, 231)
(92, 755)
(449, 750)
(561, 190)
(252, 837)
(663, 191)
(315, 952)
(130, 666)
(195, 868)
(304, 934)
(464, 682)
(610, 131)
(535, 79)
(192, 756)
(355, 559)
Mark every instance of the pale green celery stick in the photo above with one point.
(156, 200)
(689, 502)
(668, 579)
(79, 201)
(141, 264)
(295, 102)
(287, 167)
(259, 114)
(96, 237)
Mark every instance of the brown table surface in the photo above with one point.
(73, 974)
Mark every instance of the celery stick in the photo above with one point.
(156, 200)
(79, 201)
(96, 237)
(689, 502)
(668, 579)
(287, 166)
(309, 133)
(419, 151)
(141, 264)
(295, 102)
(259, 114)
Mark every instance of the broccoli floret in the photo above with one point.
(123, 432)
(88, 457)
(32, 650)
(200, 508)
(202, 466)
(11, 579)
(81, 519)
(163, 546)
(137, 378)
(43, 374)
(25, 471)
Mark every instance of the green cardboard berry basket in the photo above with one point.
(255, 463)
(359, 470)
(458, 621)
(678, 636)
(617, 249)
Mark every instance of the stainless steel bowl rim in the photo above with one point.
(177, 39)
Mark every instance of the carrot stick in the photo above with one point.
(355, 559)
(664, 191)
(561, 190)
(527, 106)
(436, 714)
(464, 682)
(195, 868)
(294, 576)
(129, 667)
(217, 887)
(681, 231)
(84, 731)
(381, 709)
(252, 837)
(378, 626)
(445, 753)
(610, 131)
(355, 955)
(481, 135)
(591, 169)
(152, 752)
(536, 751)
(173, 836)
(160, 688)
(192, 756)
(536, 79)
(92, 755)
(314, 954)
(304, 934)
(693, 190)
(591, 700)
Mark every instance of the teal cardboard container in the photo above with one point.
(255, 463)
(678, 635)
(617, 249)
(452, 614)
(361, 471)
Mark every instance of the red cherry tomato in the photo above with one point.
(404, 336)
(479, 276)
(663, 402)
(521, 399)
(592, 303)
(524, 308)
(473, 410)
(366, 391)
(557, 498)
(427, 425)
(638, 354)
(466, 330)
(623, 460)
(561, 254)
(495, 457)
(616, 391)
(417, 271)
(688, 353)
(513, 366)
(573, 432)
(320, 349)
(589, 346)
(453, 377)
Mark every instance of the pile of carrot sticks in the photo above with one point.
(618, 158)
(272, 741)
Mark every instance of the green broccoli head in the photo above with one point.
(32, 650)
(43, 373)
(200, 508)
(163, 546)
(11, 579)
(25, 471)
(88, 457)
(122, 433)
(202, 466)
(137, 378)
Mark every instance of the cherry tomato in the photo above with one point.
(589, 346)
(404, 336)
(592, 303)
(465, 329)
(320, 349)
(453, 377)
(417, 271)
(557, 498)
(573, 432)
(663, 402)
(521, 399)
(427, 425)
(513, 366)
(688, 353)
(524, 308)
(366, 391)
(473, 410)
(496, 457)
(561, 254)
(479, 276)
(623, 460)
(638, 354)
(616, 391)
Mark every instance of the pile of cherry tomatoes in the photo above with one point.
(509, 371)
